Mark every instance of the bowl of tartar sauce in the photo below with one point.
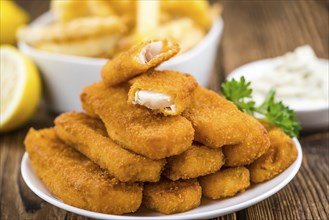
(300, 80)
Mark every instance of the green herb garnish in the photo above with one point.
(273, 112)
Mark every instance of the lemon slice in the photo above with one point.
(20, 88)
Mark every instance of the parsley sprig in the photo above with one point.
(273, 112)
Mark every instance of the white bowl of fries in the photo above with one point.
(65, 75)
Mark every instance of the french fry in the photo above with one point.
(69, 10)
(148, 15)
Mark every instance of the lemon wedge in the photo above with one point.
(11, 17)
(20, 88)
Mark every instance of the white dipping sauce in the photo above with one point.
(299, 78)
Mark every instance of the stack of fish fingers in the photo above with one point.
(152, 137)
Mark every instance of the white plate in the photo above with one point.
(310, 117)
(207, 209)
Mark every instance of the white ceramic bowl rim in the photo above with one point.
(48, 17)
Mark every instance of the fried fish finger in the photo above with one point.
(88, 136)
(218, 122)
(225, 183)
(137, 129)
(198, 160)
(168, 92)
(75, 179)
(170, 197)
(281, 154)
(138, 59)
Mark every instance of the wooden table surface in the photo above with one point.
(253, 30)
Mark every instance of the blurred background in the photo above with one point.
(272, 26)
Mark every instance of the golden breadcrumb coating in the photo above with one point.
(135, 128)
(178, 86)
(225, 183)
(75, 179)
(218, 122)
(136, 60)
(281, 154)
(170, 197)
(89, 137)
(198, 160)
